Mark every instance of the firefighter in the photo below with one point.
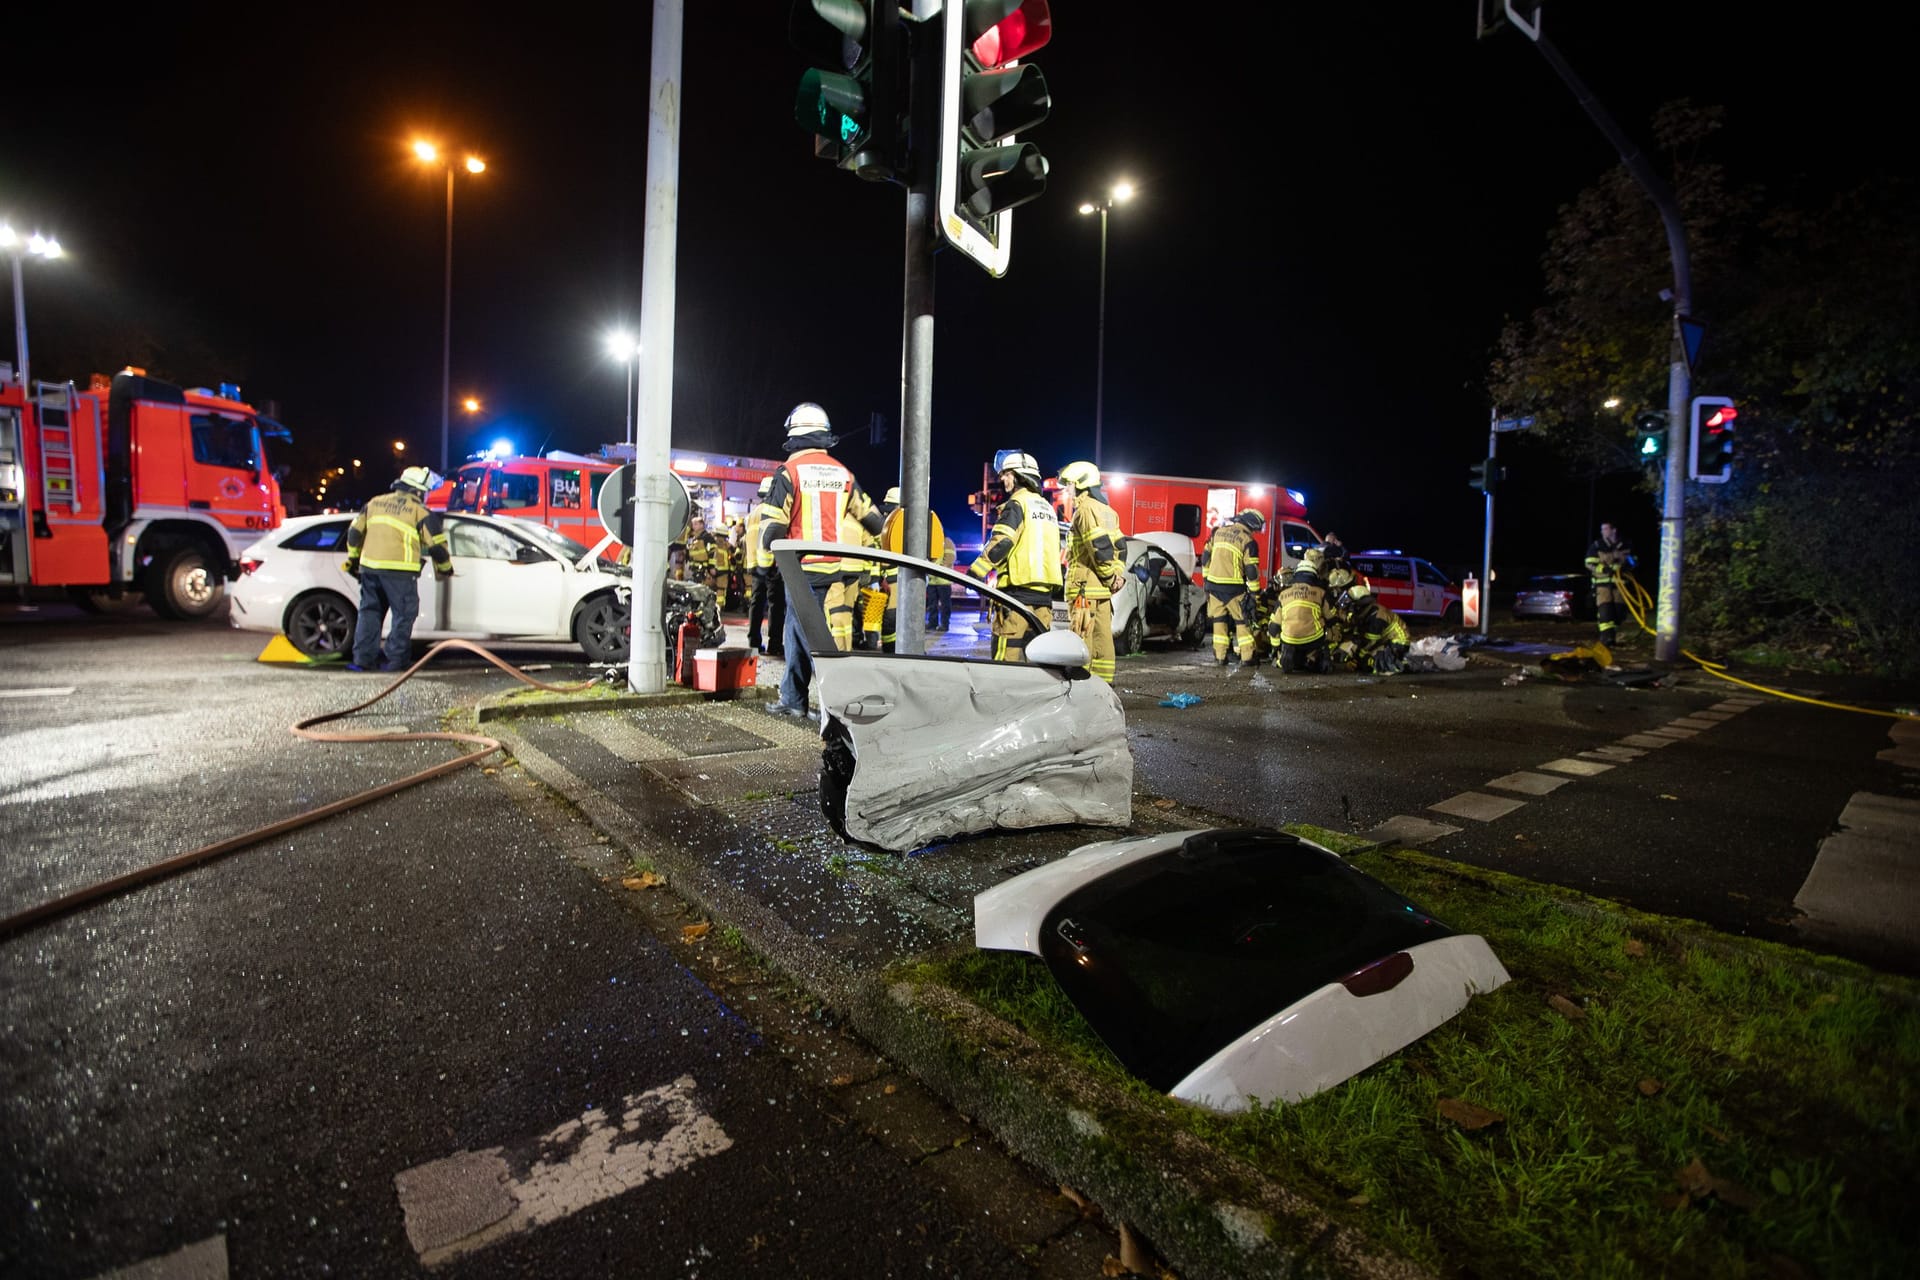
(385, 545)
(1607, 557)
(706, 556)
(879, 615)
(1378, 634)
(1024, 548)
(1299, 630)
(814, 497)
(768, 602)
(1232, 571)
(940, 592)
(1342, 647)
(1095, 569)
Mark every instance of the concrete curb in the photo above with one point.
(509, 707)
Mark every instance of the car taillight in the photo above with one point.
(249, 564)
(1381, 975)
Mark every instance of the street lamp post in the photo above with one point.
(1119, 193)
(622, 346)
(33, 246)
(430, 153)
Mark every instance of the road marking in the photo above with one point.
(1646, 740)
(1715, 717)
(1694, 722)
(1614, 753)
(1478, 807)
(1905, 751)
(51, 691)
(1866, 877)
(1748, 700)
(1731, 707)
(473, 1199)
(1668, 731)
(206, 1260)
(1405, 828)
(1578, 768)
(1528, 784)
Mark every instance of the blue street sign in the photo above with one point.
(1513, 424)
(1692, 334)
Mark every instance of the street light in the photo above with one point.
(622, 346)
(430, 154)
(471, 404)
(1119, 193)
(34, 246)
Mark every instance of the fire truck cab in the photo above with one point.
(132, 485)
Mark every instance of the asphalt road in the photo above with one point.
(245, 1057)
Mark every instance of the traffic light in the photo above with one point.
(1711, 460)
(986, 97)
(1485, 475)
(1651, 427)
(853, 104)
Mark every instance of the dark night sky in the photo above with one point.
(1340, 203)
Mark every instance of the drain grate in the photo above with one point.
(696, 734)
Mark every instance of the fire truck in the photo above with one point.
(1185, 505)
(132, 485)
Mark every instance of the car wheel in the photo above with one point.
(601, 629)
(836, 775)
(1452, 616)
(1134, 638)
(320, 623)
(184, 584)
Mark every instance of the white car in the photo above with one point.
(922, 747)
(1229, 967)
(1159, 599)
(513, 580)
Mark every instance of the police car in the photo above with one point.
(1408, 585)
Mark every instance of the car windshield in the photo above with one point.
(1176, 956)
(558, 543)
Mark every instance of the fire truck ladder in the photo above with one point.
(53, 403)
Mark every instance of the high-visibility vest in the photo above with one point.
(1034, 561)
(822, 490)
(1087, 570)
(1302, 608)
(1230, 556)
(757, 556)
(393, 531)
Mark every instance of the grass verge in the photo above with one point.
(1684, 1107)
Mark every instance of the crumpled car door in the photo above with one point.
(922, 748)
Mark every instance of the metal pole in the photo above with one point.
(1486, 547)
(20, 327)
(1100, 345)
(916, 365)
(446, 330)
(646, 664)
(629, 402)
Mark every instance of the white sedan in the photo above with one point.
(513, 580)
(1159, 599)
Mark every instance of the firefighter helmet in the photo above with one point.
(1081, 475)
(808, 428)
(1359, 591)
(1024, 469)
(1252, 519)
(1340, 577)
(893, 497)
(1314, 560)
(418, 479)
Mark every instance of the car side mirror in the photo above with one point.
(528, 555)
(1058, 649)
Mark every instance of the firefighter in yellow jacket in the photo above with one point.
(1378, 634)
(1024, 547)
(1231, 565)
(814, 497)
(879, 596)
(385, 547)
(1094, 565)
(1299, 626)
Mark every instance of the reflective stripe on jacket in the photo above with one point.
(816, 498)
(393, 530)
(1232, 558)
(1024, 543)
(1302, 613)
(1093, 549)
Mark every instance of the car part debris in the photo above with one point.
(1436, 653)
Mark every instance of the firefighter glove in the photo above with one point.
(352, 569)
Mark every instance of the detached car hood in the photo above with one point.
(1228, 967)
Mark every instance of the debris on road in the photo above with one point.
(1436, 653)
(1182, 700)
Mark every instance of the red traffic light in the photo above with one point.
(1009, 29)
(1725, 414)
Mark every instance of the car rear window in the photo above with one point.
(329, 536)
(1174, 957)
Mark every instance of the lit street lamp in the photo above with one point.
(33, 246)
(471, 404)
(1119, 193)
(622, 346)
(430, 154)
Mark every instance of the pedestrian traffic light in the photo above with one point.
(1484, 476)
(853, 103)
(986, 97)
(1711, 456)
(1651, 428)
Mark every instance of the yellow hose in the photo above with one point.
(1638, 600)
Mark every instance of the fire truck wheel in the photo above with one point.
(601, 629)
(836, 774)
(1134, 638)
(321, 623)
(184, 584)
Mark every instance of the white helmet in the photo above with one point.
(1024, 469)
(808, 428)
(893, 497)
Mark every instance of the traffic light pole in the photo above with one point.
(1486, 546)
(916, 337)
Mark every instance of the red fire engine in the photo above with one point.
(132, 485)
(1190, 506)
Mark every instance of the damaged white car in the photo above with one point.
(1231, 966)
(921, 748)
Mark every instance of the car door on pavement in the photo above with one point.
(502, 586)
(1391, 579)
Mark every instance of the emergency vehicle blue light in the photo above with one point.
(230, 390)
(1297, 496)
(502, 448)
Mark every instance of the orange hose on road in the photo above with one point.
(304, 728)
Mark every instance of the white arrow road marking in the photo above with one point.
(206, 1260)
(59, 691)
(473, 1199)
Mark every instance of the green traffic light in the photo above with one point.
(832, 105)
(1650, 446)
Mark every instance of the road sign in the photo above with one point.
(1512, 424)
(1692, 334)
(617, 490)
